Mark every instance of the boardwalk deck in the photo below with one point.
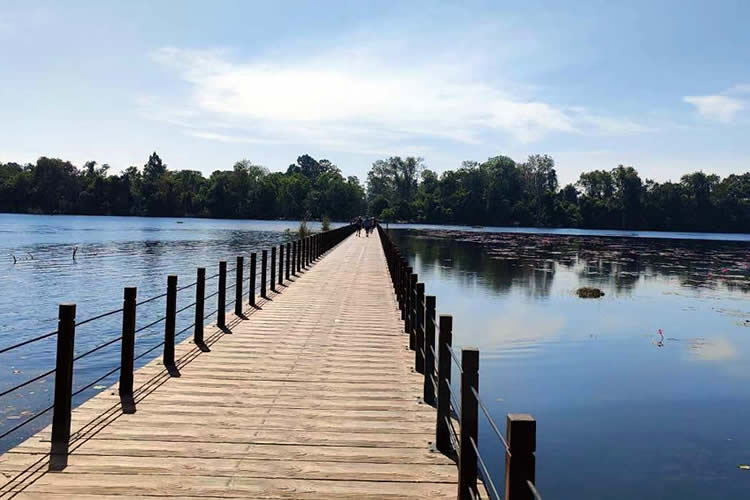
(311, 397)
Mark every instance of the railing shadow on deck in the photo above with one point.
(431, 342)
(300, 255)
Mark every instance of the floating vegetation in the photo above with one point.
(589, 292)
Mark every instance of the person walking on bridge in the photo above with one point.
(367, 227)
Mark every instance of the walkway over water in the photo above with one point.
(311, 395)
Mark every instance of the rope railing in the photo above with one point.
(27, 421)
(97, 348)
(27, 342)
(100, 316)
(301, 258)
(485, 473)
(491, 421)
(28, 382)
(435, 358)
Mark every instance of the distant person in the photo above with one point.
(359, 226)
(367, 227)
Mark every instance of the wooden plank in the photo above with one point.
(314, 396)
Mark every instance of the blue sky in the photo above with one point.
(663, 86)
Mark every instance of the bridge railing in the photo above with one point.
(294, 257)
(457, 415)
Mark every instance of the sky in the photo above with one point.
(663, 86)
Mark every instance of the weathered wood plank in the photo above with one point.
(314, 396)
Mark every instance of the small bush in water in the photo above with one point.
(588, 292)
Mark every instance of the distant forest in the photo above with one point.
(498, 192)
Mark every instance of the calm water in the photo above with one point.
(623, 412)
(113, 252)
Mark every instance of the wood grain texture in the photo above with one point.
(312, 396)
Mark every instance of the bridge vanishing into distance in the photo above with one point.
(335, 381)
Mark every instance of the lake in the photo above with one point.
(622, 410)
(112, 253)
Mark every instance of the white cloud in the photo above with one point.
(720, 349)
(717, 107)
(352, 101)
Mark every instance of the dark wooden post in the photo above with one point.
(281, 264)
(66, 332)
(294, 258)
(238, 286)
(408, 305)
(305, 244)
(397, 282)
(429, 351)
(253, 270)
(297, 263)
(222, 298)
(273, 268)
(127, 352)
(520, 460)
(413, 311)
(263, 272)
(200, 305)
(288, 255)
(170, 320)
(442, 432)
(469, 426)
(419, 352)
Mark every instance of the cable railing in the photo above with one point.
(293, 258)
(459, 412)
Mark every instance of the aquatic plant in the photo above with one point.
(588, 292)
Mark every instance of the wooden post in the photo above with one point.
(429, 351)
(200, 303)
(238, 286)
(419, 353)
(299, 256)
(294, 258)
(469, 426)
(66, 332)
(263, 273)
(305, 244)
(222, 298)
(170, 320)
(397, 284)
(253, 270)
(408, 304)
(281, 264)
(442, 432)
(520, 460)
(288, 255)
(127, 352)
(413, 312)
(273, 268)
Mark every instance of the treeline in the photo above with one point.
(498, 192)
(309, 188)
(501, 192)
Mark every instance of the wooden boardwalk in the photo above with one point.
(312, 396)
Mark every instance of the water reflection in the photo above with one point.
(532, 261)
(622, 386)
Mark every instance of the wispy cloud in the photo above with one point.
(720, 108)
(352, 101)
(723, 107)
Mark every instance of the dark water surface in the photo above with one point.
(622, 411)
(113, 252)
